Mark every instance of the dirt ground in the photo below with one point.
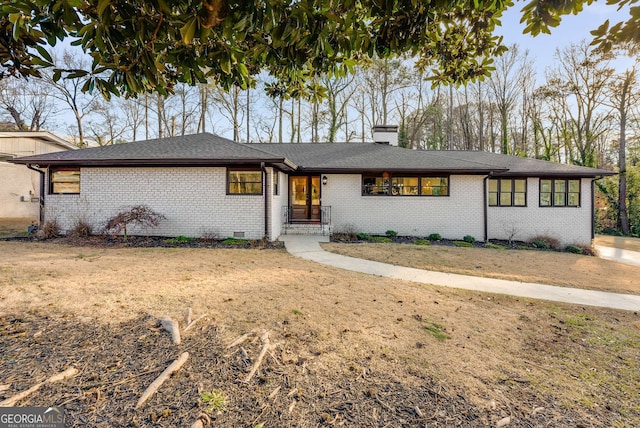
(352, 349)
(15, 226)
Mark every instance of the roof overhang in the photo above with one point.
(43, 135)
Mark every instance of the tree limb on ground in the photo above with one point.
(172, 327)
(266, 347)
(173, 367)
(11, 401)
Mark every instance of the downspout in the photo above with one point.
(593, 206)
(486, 206)
(266, 200)
(41, 198)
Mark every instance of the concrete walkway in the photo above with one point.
(619, 255)
(308, 247)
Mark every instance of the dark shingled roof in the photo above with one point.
(209, 149)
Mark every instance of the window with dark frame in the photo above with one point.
(64, 181)
(508, 192)
(244, 181)
(275, 182)
(385, 184)
(559, 192)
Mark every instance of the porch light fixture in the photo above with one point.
(324, 179)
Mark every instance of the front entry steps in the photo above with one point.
(306, 229)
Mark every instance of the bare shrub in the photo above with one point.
(551, 242)
(139, 215)
(81, 229)
(347, 232)
(50, 229)
(210, 236)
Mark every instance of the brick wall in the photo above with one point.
(570, 225)
(451, 216)
(193, 200)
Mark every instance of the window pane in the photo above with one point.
(505, 199)
(435, 186)
(245, 182)
(493, 185)
(545, 186)
(404, 186)
(520, 199)
(545, 199)
(373, 185)
(574, 185)
(560, 185)
(520, 185)
(493, 199)
(559, 199)
(505, 185)
(574, 199)
(65, 181)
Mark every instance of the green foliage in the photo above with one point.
(422, 242)
(140, 46)
(435, 237)
(363, 236)
(540, 244)
(573, 249)
(297, 312)
(494, 246)
(436, 330)
(462, 244)
(391, 233)
(381, 239)
(607, 220)
(235, 241)
(179, 240)
(468, 238)
(215, 401)
(545, 242)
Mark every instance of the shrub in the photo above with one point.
(540, 244)
(551, 242)
(382, 239)
(363, 236)
(235, 241)
(179, 240)
(422, 242)
(139, 215)
(462, 244)
(209, 236)
(435, 237)
(391, 233)
(50, 229)
(346, 232)
(573, 249)
(494, 246)
(81, 229)
(468, 238)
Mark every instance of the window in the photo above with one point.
(244, 181)
(508, 192)
(275, 182)
(64, 180)
(387, 185)
(559, 193)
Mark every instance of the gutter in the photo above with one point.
(266, 200)
(41, 198)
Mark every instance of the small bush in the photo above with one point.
(494, 246)
(179, 240)
(139, 215)
(462, 244)
(363, 236)
(435, 237)
(391, 233)
(540, 244)
(51, 229)
(346, 232)
(551, 242)
(381, 239)
(209, 236)
(468, 238)
(573, 249)
(81, 229)
(235, 241)
(422, 242)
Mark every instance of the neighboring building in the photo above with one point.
(207, 184)
(20, 187)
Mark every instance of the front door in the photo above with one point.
(304, 197)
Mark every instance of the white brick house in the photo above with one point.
(206, 184)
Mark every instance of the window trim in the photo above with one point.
(552, 201)
(54, 170)
(275, 182)
(388, 178)
(230, 170)
(512, 192)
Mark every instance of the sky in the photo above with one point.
(572, 30)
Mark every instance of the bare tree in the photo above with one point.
(28, 103)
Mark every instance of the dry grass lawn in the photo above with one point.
(346, 338)
(546, 267)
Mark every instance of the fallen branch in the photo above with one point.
(172, 327)
(240, 339)
(11, 401)
(192, 323)
(187, 319)
(173, 367)
(266, 347)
